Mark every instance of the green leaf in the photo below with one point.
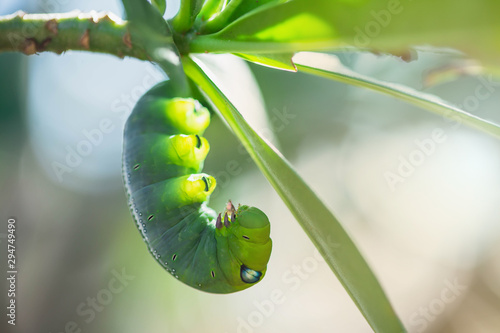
(383, 25)
(148, 24)
(161, 5)
(330, 67)
(247, 7)
(235, 79)
(233, 10)
(144, 16)
(317, 221)
(281, 28)
(281, 61)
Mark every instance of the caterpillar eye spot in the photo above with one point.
(212, 273)
(137, 166)
(150, 217)
(207, 187)
(174, 257)
(246, 237)
(198, 141)
(249, 275)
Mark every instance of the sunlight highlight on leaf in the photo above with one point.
(330, 67)
(281, 61)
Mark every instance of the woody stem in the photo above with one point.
(95, 32)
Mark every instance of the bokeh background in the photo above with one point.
(433, 240)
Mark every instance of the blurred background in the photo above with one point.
(432, 236)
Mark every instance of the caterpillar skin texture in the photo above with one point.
(163, 156)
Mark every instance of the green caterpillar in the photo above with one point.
(163, 156)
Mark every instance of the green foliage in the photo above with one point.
(317, 221)
(220, 18)
(187, 15)
(270, 32)
(143, 16)
(389, 26)
(211, 8)
(281, 61)
(249, 7)
(330, 67)
(161, 5)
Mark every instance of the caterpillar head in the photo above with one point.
(248, 235)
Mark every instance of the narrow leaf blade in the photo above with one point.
(161, 5)
(249, 7)
(282, 61)
(145, 16)
(329, 66)
(317, 221)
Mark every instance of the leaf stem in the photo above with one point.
(220, 20)
(182, 22)
(210, 8)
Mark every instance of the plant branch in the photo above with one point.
(95, 32)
